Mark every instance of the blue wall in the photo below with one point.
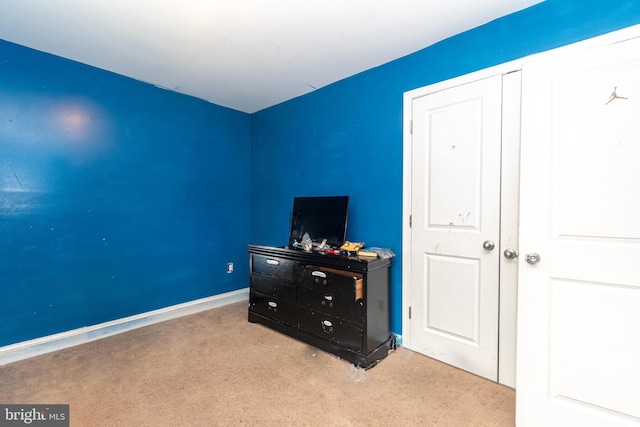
(116, 197)
(347, 138)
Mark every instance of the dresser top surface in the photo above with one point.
(321, 258)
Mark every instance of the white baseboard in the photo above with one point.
(26, 349)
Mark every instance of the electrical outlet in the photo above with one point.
(229, 267)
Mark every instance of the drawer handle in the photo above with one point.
(328, 297)
(327, 327)
(273, 304)
(273, 262)
(319, 274)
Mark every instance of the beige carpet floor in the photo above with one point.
(217, 369)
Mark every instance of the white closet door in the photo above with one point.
(455, 233)
(579, 301)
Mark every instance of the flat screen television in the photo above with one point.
(322, 217)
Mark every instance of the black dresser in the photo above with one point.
(337, 303)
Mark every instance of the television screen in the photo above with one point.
(321, 217)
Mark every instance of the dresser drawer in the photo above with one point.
(273, 308)
(325, 301)
(330, 328)
(339, 283)
(274, 267)
(272, 287)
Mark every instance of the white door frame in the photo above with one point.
(508, 314)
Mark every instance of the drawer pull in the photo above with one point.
(328, 297)
(273, 304)
(327, 327)
(273, 262)
(319, 274)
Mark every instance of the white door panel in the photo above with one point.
(579, 307)
(456, 280)
(456, 208)
(574, 330)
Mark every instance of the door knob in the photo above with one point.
(488, 245)
(532, 258)
(510, 253)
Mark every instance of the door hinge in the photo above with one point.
(409, 312)
(411, 127)
(410, 221)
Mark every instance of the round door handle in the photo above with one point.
(510, 253)
(488, 245)
(532, 258)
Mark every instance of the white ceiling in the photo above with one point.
(242, 54)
